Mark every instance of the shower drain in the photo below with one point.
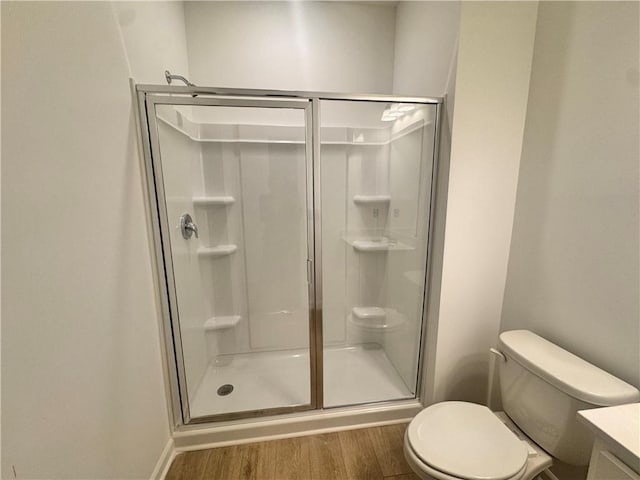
(225, 389)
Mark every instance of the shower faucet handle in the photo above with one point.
(187, 227)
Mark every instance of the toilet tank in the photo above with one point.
(543, 386)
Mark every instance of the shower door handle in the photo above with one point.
(187, 227)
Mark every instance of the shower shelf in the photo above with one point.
(369, 313)
(348, 143)
(376, 318)
(214, 200)
(217, 251)
(377, 245)
(221, 323)
(371, 199)
(258, 141)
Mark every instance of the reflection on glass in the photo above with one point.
(376, 162)
(241, 286)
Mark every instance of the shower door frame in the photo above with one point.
(150, 95)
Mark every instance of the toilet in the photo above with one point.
(542, 388)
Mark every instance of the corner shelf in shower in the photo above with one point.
(221, 323)
(371, 199)
(349, 143)
(380, 244)
(258, 141)
(371, 314)
(217, 251)
(213, 200)
(376, 318)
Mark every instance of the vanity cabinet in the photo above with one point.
(604, 465)
(616, 449)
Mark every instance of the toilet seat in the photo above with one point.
(461, 440)
(432, 473)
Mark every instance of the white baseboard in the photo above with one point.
(164, 462)
(294, 425)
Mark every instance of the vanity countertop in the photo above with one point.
(619, 427)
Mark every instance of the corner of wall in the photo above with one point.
(164, 461)
(491, 81)
(424, 46)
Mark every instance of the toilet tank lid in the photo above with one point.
(566, 371)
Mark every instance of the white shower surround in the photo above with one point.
(230, 161)
(355, 375)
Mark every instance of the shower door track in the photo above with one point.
(259, 93)
(147, 96)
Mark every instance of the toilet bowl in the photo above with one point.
(461, 440)
(542, 389)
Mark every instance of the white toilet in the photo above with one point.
(542, 388)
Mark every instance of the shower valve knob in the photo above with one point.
(187, 226)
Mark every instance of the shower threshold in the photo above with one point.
(352, 375)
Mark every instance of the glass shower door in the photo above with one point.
(232, 181)
(376, 171)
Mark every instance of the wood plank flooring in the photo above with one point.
(365, 454)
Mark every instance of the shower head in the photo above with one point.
(170, 78)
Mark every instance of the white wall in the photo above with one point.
(324, 46)
(494, 64)
(574, 265)
(425, 45)
(154, 37)
(82, 390)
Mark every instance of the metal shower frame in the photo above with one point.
(148, 96)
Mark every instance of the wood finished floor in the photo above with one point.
(367, 454)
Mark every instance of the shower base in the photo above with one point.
(352, 375)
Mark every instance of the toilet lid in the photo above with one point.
(467, 441)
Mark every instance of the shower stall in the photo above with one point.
(292, 237)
